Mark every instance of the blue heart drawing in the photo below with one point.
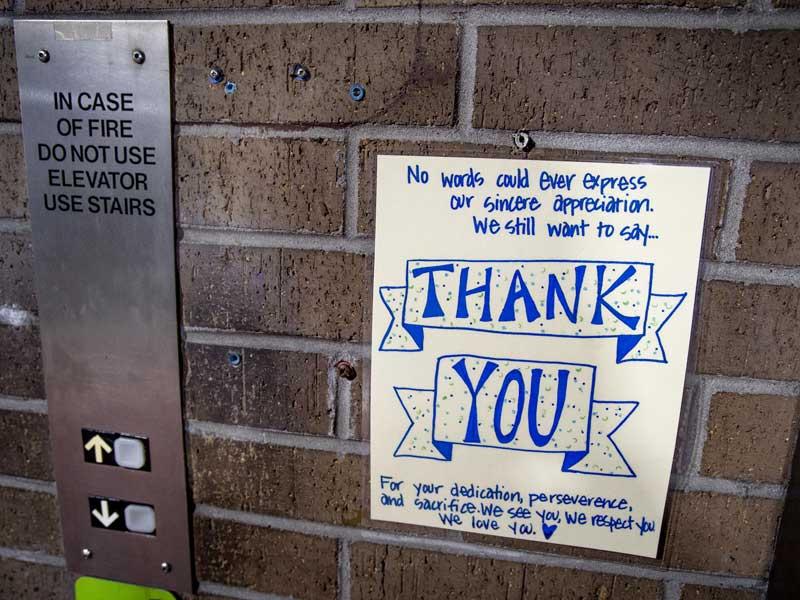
(548, 530)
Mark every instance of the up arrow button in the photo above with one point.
(114, 449)
(99, 445)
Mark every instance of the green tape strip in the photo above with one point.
(90, 588)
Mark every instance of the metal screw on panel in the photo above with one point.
(357, 92)
(138, 56)
(523, 141)
(216, 75)
(345, 370)
(86, 553)
(234, 359)
(44, 55)
(166, 567)
(299, 73)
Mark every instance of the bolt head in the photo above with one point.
(43, 55)
(345, 370)
(234, 358)
(138, 56)
(357, 92)
(86, 553)
(166, 567)
(300, 73)
(216, 75)
(523, 141)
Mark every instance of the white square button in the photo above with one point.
(140, 518)
(129, 453)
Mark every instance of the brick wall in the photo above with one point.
(275, 200)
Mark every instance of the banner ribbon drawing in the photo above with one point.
(559, 298)
(522, 405)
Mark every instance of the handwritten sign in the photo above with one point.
(531, 325)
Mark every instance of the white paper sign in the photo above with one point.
(531, 325)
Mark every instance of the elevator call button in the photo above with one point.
(120, 515)
(130, 452)
(115, 449)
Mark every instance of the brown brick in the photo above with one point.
(369, 150)
(55, 6)
(295, 292)
(287, 391)
(606, 3)
(267, 184)
(203, 597)
(29, 521)
(722, 534)
(543, 582)
(771, 215)
(409, 72)
(701, 592)
(265, 560)
(749, 330)
(21, 580)
(21, 362)
(700, 82)
(13, 196)
(9, 90)
(16, 272)
(609, 3)
(277, 480)
(750, 437)
(379, 571)
(25, 445)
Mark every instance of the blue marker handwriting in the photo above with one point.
(523, 190)
(522, 405)
(527, 514)
(557, 298)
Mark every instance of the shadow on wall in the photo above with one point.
(784, 581)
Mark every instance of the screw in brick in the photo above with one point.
(230, 88)
(357, 92)
(138, 56)
(234, 358)
(166, 567)
(44, 55)
(215, 75)
(86, 553)
(345, 370)
(523, 141)
(299, 72)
